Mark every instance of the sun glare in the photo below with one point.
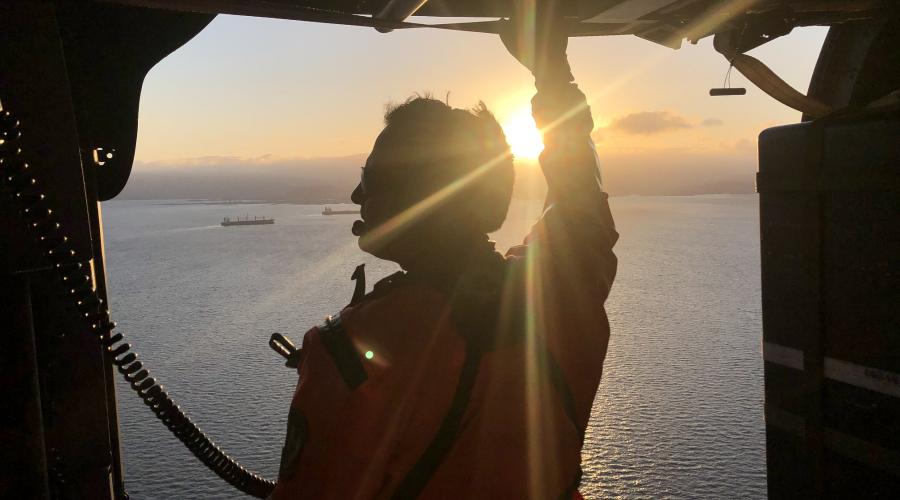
(522, 134)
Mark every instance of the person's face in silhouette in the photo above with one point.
(385, 191)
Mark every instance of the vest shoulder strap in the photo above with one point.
(418, 477)
(383, 286)
(342, 352)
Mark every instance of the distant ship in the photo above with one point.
(246, 221)
(329, 211)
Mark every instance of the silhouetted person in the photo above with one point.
(469, 374)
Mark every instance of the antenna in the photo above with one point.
(726, 88)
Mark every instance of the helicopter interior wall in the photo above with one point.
(65, 366)
(828, 220)
(859, 63)
(106, 78)
(829, 200)
(66, 95)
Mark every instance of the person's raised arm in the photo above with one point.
(577, 227)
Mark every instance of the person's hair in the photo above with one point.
(465, 149)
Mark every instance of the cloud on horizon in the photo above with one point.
(227, 163)
(649, 122)
(726, 167)
(712, 122)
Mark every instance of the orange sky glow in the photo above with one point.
(263, 89)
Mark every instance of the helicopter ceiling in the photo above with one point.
(667, 22)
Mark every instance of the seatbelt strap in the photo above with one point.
(772, 84)
(766, 79)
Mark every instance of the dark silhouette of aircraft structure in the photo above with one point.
(70, 83)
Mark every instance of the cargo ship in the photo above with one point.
(246, 221)
(329, 211)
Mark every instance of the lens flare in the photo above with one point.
(522, 135)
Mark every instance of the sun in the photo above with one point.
(522, 134)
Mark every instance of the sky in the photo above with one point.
(262, 90)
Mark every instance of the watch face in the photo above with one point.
(297, 433)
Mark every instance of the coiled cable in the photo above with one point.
(74, 275)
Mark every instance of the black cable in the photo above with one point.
(23, 188)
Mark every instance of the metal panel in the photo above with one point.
(830, 232)
(75, 395)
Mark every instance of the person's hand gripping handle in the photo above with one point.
(559, 108)
(539, 43)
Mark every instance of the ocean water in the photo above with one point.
(679, 413)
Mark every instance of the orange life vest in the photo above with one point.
(480, 388)
(405, 396)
